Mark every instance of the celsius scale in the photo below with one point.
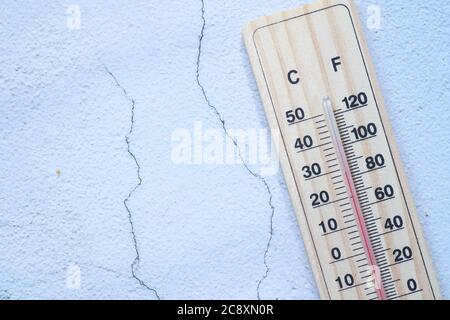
(338, 154)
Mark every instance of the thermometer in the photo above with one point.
(338, 154)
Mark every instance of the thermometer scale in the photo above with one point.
(338, 154)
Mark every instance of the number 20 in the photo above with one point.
(319, 198)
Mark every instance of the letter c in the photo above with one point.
(292, 77)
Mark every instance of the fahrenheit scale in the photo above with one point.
(338, 154)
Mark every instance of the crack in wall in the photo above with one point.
(251, 172)
(135, 264)
(5, 295)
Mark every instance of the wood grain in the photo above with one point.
(299, 57)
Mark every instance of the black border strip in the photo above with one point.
(381, 120)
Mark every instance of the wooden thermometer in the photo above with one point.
(338, 154)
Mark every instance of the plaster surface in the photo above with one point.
(92, 204)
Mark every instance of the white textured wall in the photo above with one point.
(200, 231)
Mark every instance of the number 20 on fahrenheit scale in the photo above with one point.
(338, 154)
